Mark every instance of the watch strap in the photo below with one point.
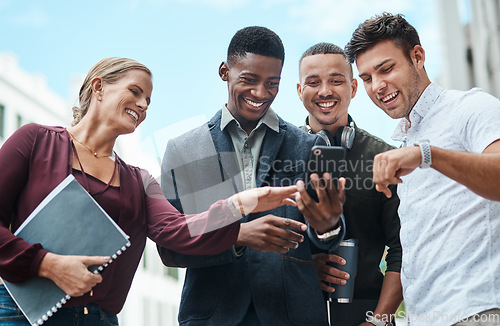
(425, 149)
(329, 235)
(232, 208)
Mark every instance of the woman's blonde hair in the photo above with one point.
(110, 70)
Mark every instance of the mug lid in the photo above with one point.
(349, 243)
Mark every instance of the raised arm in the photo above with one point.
(210, 232)
(474, 159)
(480, 172)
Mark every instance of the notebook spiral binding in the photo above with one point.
(67, 297)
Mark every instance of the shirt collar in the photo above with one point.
(270, 119)
(424, 104)
(427, 100)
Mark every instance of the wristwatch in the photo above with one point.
(236, 212)
(425, 149)
(328, 235)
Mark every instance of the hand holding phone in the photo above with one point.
(323, 159)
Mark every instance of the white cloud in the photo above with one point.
(335, 20)
(324, 18)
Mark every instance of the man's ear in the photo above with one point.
(299, 91)
(354, 87)
(223, 71)
(418, 56)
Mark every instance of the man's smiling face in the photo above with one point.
(326, 88)
(392, 81)
(253, 82)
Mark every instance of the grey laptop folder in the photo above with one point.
(67, 222)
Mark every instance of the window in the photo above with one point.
(171, 272)
(19, 121)
(144, 260)
(2, 118)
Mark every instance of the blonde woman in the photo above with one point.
(113, 101)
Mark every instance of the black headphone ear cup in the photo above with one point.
(347, 137)
(337, 140)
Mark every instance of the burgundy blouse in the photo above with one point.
(36, 158)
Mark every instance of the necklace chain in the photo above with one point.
(93, 152)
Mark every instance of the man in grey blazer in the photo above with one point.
(269, 277)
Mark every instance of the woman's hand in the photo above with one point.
(264, 198)
(71, 273)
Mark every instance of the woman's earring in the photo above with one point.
(99, 98)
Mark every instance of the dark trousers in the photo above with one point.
(10, 315)
(349, 314)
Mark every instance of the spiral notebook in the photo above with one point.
(67, 222)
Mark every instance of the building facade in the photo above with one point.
(26, 98)
(155, 294)
(470, 44)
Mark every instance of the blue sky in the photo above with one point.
(184, 41)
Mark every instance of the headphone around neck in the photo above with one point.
(344, 137)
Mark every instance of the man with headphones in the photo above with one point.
(326, 88)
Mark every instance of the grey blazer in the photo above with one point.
(200, 168)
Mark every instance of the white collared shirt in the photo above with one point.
(248, 147)
(450, 236)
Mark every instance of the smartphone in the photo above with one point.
(323, 159)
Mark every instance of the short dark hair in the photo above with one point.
(325, 48)
(379, 28)
(256, 40)
(322, 48)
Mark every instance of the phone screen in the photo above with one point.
(323, 159)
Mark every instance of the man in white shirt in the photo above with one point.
(449, 211)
